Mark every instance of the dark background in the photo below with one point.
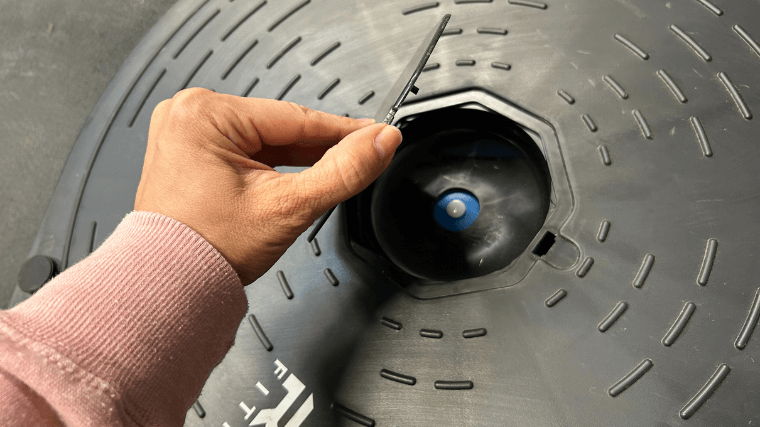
(56, 58)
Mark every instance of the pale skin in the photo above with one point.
(210, 159)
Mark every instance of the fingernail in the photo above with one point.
(369, 121)
(387, 140)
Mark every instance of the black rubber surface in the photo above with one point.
(651, 103)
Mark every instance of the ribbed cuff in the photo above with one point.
(149, 314)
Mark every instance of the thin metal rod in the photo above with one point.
(320, 223)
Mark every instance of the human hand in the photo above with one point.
(209, 164)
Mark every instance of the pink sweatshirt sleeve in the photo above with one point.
(126, 337)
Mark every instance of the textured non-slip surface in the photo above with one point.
(651, 104)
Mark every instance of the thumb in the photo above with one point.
(350, 166)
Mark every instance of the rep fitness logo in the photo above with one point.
(271, 417)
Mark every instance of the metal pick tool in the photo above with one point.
(398, 93)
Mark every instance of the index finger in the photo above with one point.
(253, 123)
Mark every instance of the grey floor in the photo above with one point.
(56, 58)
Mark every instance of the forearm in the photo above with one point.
(130, 334)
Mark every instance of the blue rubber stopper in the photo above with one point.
(456, 210)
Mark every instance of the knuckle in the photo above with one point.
(189, 103)
(162, 107)
(300, 108)
(192, 93)
(289, 215)
(292, 209)
(305, 115)
(301, 199)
